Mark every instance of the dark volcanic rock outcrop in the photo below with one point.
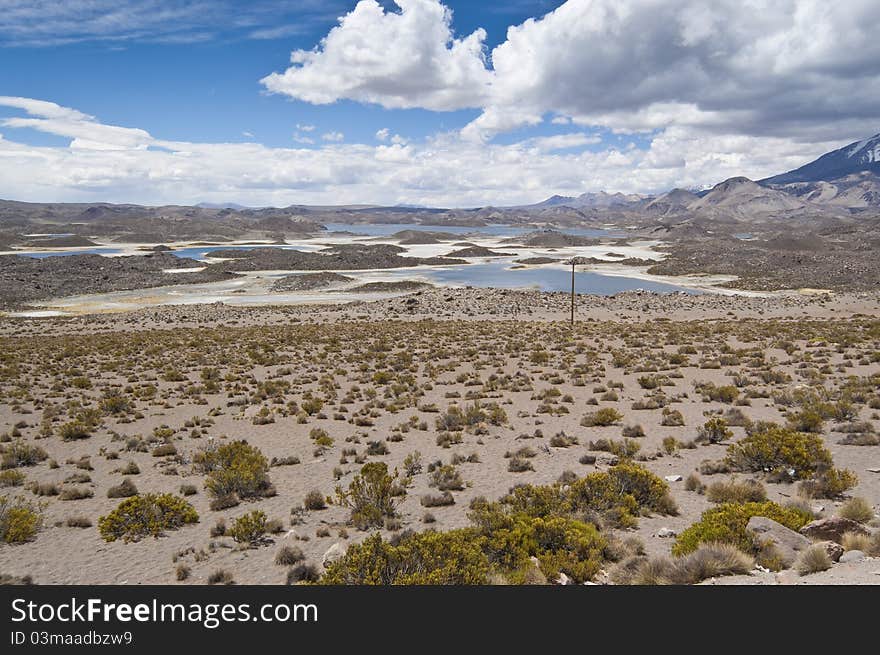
(479, 251)
(310, 281)
(26, 279)
(349, 257)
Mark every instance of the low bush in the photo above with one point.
(235, 467)
(427, 558)
(314, 500)
(19, 520)
(370, 496)
(780, 452)
(441, 500)
(726, 523)
(124, 489)
(221, 577)
(20, 453)
(735, 491)
(146, 515)
(856, 509)
(249, 528)
(288, 556)
(813, 560)
(714, 430)
(602, 418)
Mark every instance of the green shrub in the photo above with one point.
(560, 543)
(829, 482)
(727, 524)
(19, 520)
(447, 478)
(125, 489)
(236, 468)
(781, 452)
(714, 430)
(20, 453)
(249, 528)
(289, 555)
(672, 418)
(426, 558)
(370, 496)
(314, 500)
(74, 430)
(149, 514)
(856, 509)
(734, 491)
(11, 478)
(602, 417)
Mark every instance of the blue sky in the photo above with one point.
(209, 90)
(438, 102)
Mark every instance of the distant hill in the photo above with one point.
(742, 196)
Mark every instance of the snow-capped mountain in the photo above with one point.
(856, 157)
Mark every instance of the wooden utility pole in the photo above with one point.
(574, 261)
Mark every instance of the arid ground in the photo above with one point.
(668, 382)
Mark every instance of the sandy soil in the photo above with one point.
(440, 347)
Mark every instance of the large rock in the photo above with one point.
(852, 556)
(335, 552)
(832, 529)
(787, 543)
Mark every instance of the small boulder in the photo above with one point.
(335, 552)
(787, 543)
(832, 529)
(852, 556)
(665, 533)
(673, 478)
(834, 549)
(564, 579)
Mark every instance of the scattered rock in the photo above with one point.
(564, 580)
(787, 543)
(335, 552)
(673, 478)
(665, 533)
(852, 556)
(831, 529)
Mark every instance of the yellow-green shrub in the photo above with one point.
(727, 524)
(427, 558)
(149, 514)
(19, 520)
(248, 528)
(370, 496)
(235, 467)
(777, 450)
(560, 543)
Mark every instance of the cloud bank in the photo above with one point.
(122, 164)
(801, 69)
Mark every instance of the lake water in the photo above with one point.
(497, 274)
(501, 272)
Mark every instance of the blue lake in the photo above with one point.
(497, 275)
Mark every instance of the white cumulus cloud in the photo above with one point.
(399, 59)
(803, 69)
